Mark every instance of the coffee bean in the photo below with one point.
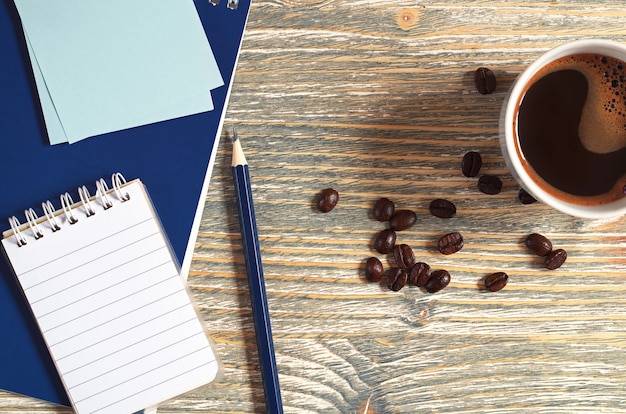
(402, 220)
(524, 197)
(419, 274)
(538, 244)
(496, 281)
(385, 241)
(403, 254)
(471, 164)
(555, 259)
(450, 243)
(373, 270)
(327, 200)
(442, 208)
(489, 184)
(438, 280)
(396, 279)
(383, 209)
(485, 80)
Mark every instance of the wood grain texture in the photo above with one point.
(376, 98)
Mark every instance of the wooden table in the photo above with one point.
(376, 98)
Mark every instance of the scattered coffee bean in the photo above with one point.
(403, 254)
(555, 259)
(485, 80)
(327, 200)
(383, 209)
(402, 220)
(373, 270)
(525, 198)
(438, 280)
(471, 164)
(496, 281)
(385, 241)
(396, 279)
(442, 208)
(489, 184)
(419, 274)
(538, 244)
(450, 243)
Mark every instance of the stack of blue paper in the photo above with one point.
(128, 74)
(103, 66)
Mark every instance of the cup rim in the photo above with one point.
(508, 137)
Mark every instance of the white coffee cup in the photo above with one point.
(508, 135)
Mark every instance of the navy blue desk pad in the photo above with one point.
(170, 157)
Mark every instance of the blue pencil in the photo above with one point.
(254, 267)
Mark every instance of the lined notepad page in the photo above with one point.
(113, 309)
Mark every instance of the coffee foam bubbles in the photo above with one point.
(602, 127)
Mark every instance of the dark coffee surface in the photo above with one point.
(548, 133)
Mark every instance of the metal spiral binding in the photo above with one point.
(15, 227)
(117, 180)
(31, 218)
(103, 197)
(48, 210)
(66, 204)
(84, 195)
(101, 193)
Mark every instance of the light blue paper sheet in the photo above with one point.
(107, 66)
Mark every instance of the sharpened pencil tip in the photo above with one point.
(238, 157)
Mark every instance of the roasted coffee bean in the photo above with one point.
(555, 259)
(442, 208)
(385, 241)
(496, 281)
(327, 200)
(374, 269)
(538, 244)
(438, 280)
(485, 80)
(471, 164)
(403, 254)
(450, 243)
(419, 274)
(383, 209)
(396, 279)
(402, 220)
(524, 197)
(489, 184)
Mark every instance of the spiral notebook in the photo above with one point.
(104, 287)
(173, 158)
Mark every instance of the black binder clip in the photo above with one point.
(232, 4)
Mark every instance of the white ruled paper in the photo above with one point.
(112, 308)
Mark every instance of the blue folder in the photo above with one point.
(170, 157)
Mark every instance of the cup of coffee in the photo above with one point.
(563, 128)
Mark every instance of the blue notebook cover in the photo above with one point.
(170, 157)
